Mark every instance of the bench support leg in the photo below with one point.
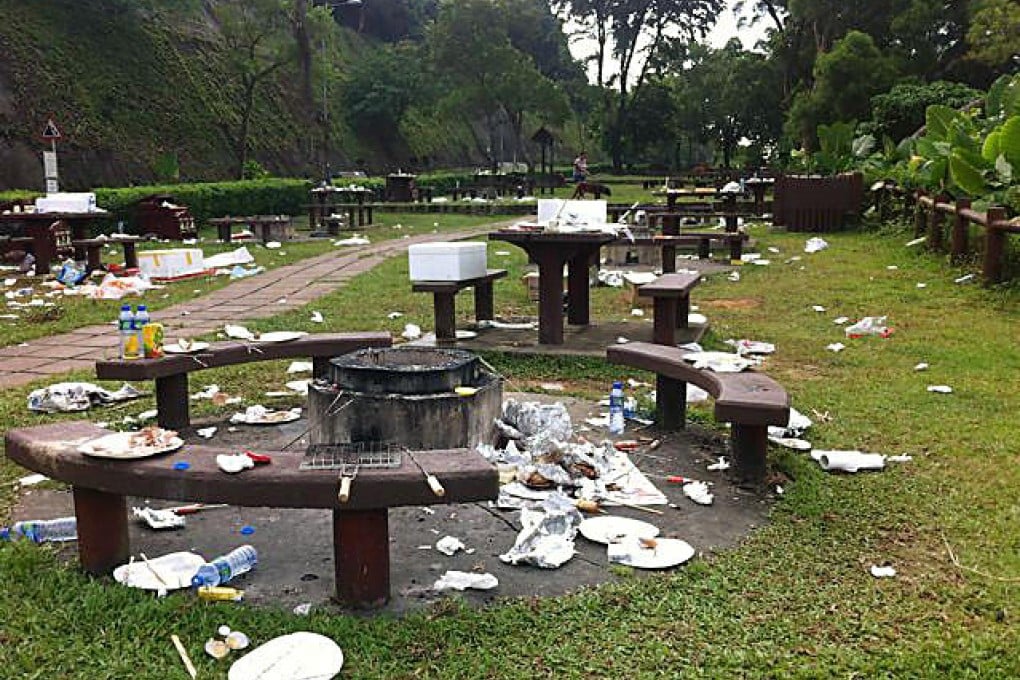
(445, 314)
(483, 301)
(361, 555)
(683, 310)
(670, 403)
(750, 444)
(130, 255)
(736, 249)
(664, 321)
(102, 530)
(172, 401)
(704, 249)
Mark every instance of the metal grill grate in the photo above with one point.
(353, 454)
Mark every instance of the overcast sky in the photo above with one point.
(725, 28)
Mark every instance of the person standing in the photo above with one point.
(581, 167)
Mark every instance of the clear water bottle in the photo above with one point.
(616, 408)
(236, 562)
(129, 344)
(43, 530)
(141, 318)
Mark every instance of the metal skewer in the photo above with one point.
(432, 480)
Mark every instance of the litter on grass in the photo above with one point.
(882, 572)
(76, 396)
(815, 244)
(940, 389)
(836, 347)
(848, 461)
(297, 656)
(869, 325)
(300, 367)
(923, 366)
(751, 346)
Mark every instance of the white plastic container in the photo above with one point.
(446, 261)
(66, 202)
(171, 264)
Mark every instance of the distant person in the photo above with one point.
(581, 167)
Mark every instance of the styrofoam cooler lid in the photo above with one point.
(444, 247)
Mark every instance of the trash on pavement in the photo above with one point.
(815, 244)
(297, 656)
(159, 519)
(206, 432)
(649, 553)
(608, 529)
(303, 609)
(940, 389)
(462, 580)
(234, 463)
(539, 425)
(220, 594)
(546, 538)
(449, 545)
(76, 396)
(411, 331)
(882, 572)
(721, 464)
(698, 492)
(848, 461)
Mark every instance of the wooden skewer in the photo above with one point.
(183, 653)
(643, 508)
(148, 565)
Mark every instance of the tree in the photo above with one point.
(629, 32)
(254, 36)
(845, 79)
(899, 112)
(994, 34)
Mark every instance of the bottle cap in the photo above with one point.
(617, 384)
(125, 308)
(142, 308)
(5, 534)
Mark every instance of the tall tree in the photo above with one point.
(257, 44)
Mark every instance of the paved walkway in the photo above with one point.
(253, 298)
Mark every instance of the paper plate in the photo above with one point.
(608, 529)
(280, 336)
(271, 418)
(466, 335)
(192, 348)
(298, 656)
(792, 443)
(667, 552)
(176, 570)
(118, 446)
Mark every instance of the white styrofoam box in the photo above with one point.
(574, 213)
(66, 202)
(171, 264)
(446, 261)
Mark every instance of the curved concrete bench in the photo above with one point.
(360, 526)
(749, 401)
(171, 372)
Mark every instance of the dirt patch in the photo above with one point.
(735, 303)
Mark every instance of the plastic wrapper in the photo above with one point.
(869, 325)
(76, 396)
(547, 537)
(159, 519)
(462, 580)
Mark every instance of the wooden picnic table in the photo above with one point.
(47, 243)
(551, 251)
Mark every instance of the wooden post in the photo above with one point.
(665, 321)
(935, 224)
(995, 242)
(961, 227)
(361, 555)
(919, 215)
(102, 530)
(750, 444)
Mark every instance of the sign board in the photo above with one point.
(51, 131)
(52, 186)
(50, 165)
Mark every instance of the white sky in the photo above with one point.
(725, 28)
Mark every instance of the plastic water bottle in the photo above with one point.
(129, 344)
(43, 530)
(616, 408)
(236, 562)
(141, 318)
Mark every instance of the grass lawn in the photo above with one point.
(794, 600)
(76, 312)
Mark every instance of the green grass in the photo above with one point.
(794, 600)
(76, 312)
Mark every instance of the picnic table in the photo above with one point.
(48, 243)
(551, 251)
(264, 228)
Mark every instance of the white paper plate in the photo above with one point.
(271, 418)
(192, 348)
(466, 335)
(176, 569)
(280, 336)
(298, 656)
(118, 446)
(668, 552)
(791, 443)
(607, 528)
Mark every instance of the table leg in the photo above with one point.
(664, 322)
(361, 555)
(750, 445)
(172, 401)
(578, 298)
(445, 314)
(102, 530)
(484, 301)
(668, 259)
(223, 231)
(93, 258)
(550, 300)
(683, 310)
(130, 255)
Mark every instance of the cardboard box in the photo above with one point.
(66, 203)
(447, 261)
(171, 264)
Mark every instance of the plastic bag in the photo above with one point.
(869, 325)
(71, 274)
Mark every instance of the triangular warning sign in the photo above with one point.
(51, 131)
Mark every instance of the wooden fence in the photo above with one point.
(930, 218)
(815, 203)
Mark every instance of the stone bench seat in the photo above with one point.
(671, 304)
(93, 251)
(443, 301)
(749, 401)
(360, 526)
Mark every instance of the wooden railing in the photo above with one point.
(930, 220)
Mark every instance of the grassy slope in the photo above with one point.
(794, 600)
